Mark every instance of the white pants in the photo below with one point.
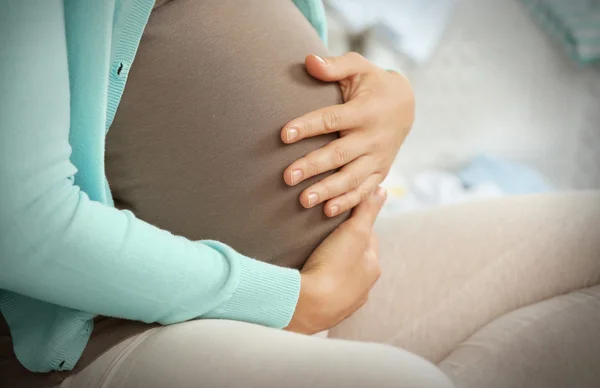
(223, 354)
(447, 274)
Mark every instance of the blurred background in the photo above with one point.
(508, 93)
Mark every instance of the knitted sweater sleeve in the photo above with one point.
(59, 246)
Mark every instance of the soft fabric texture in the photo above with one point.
(234, 185)
(209, 353)
(195, 146)
(472, 286)
(448, 272)
(551, 344)
(575, 24)
(66, 253)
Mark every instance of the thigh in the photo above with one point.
(233, 354)
(449, 271)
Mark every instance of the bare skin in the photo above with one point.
(337, 278)
(373, 121)
(375, 118)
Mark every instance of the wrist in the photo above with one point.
(305, 319)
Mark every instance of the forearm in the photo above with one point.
(74, 252)
(58, 246)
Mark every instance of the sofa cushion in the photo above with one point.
(551, 344)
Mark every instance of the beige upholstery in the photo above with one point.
(474, 285)
(551, 344)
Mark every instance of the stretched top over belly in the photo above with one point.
(195, 145)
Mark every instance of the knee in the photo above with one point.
(398, 368)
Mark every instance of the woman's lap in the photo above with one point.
(210, 353)
(450, 271)
(446, 273)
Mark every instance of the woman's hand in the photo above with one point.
(373, 122)
(338, 276)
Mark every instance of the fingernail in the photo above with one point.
(380, 193)
(334, 210)
(296, 175)
(321, 60)
(292, 134)
(312, 199)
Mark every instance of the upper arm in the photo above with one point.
(34, 103)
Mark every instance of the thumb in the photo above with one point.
(333, 69)
(366, 212)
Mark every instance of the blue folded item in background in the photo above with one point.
(511, 178)
(574, 23)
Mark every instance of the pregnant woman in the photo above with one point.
(195, 148)
(241, 161)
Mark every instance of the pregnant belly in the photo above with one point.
(195, 147)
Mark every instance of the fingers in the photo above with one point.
(372, 251)
(372, 261)
(326, 120)
(350, 177)
(337, 68)
(366, 212)
(372, 270)
(334, 155)
(349, 199)
(372, 258)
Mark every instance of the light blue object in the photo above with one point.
(574, 23)
(511, 178)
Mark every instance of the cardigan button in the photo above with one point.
(121, 69)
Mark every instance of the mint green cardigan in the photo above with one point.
(66, 254)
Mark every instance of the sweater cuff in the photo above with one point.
(266, 294)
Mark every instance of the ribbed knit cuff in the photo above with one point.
(266, 294)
